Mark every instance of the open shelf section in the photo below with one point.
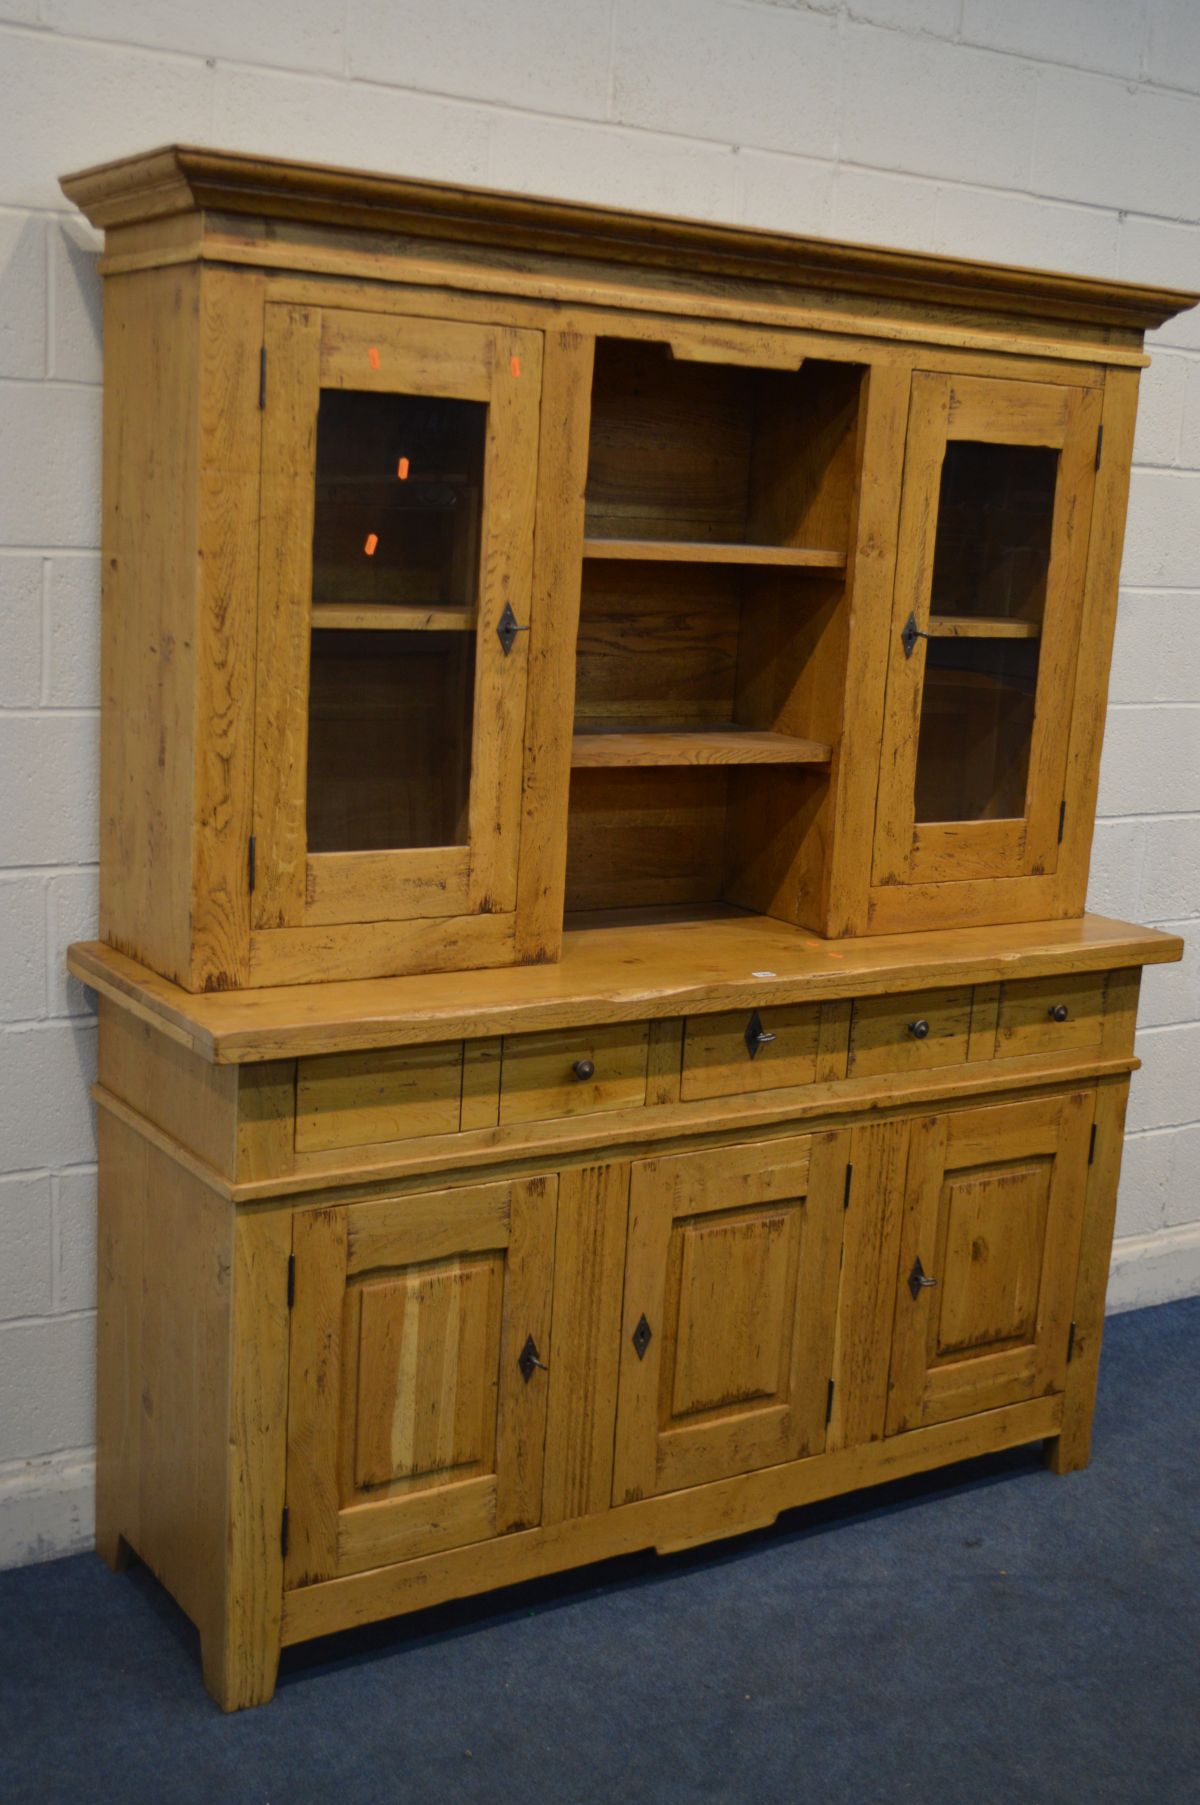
(700, 551)
(390, 617)
(982, 626)
(704, 746)
(713, 625)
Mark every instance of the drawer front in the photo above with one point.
(910, 1033)
(1030, 1017)
(718, 1060)
(352, 1099)
(547, 1075)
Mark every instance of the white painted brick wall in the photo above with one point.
(1056, 132)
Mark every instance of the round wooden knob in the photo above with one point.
(583, 1070)
(1059, 1012)
(918, 1030)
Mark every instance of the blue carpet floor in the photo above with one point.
(990, 1635)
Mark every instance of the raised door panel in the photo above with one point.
(399, 472)
(730, 1297)
(994, 529)
(989, 1249)
(417, 1411)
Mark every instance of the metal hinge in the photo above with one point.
(829, 1404)
(283, 1533)
(1070, 1344)
(1092, 1146)
(250, 850)
(262, 377)
(1062, 818)
(291, 1291)
(1099, 445)
(849, 1181)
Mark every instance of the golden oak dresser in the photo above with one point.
(600, 1042)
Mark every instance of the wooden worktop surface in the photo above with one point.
(617, 970)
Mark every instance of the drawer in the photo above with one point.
(717, 1056)
(1030, 1018)
(909, 1033)
(546, 1075)
(351, 1099)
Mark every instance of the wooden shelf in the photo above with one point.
(703, 746)
(979, 684)
(982, 626)
(390, 617)
(703, 551)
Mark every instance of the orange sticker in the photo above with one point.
(372, 542)
(514, 364)
(373, 357)
(402, 470)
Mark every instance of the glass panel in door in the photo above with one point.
(994, 527)
(399, 462)
(399, 493)
(389, 740)
(987, 601)
(396, 534)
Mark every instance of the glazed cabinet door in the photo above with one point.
(731, 1286)
(989, 1250)
(994, 527)
(417, 1404)
(399, 470)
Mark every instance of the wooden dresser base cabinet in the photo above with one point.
(340, 1383)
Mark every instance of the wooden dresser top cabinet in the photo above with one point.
(600, 1040)
(515, 557)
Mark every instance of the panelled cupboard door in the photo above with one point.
(994, 527)
(416, 1412)
(731, 1284)
(989, 1251)
(399, 470)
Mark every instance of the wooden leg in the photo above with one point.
(1068, 1459)
(1069, 1452)
(240, 1650)
(113, 1549)
(238, 1673)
